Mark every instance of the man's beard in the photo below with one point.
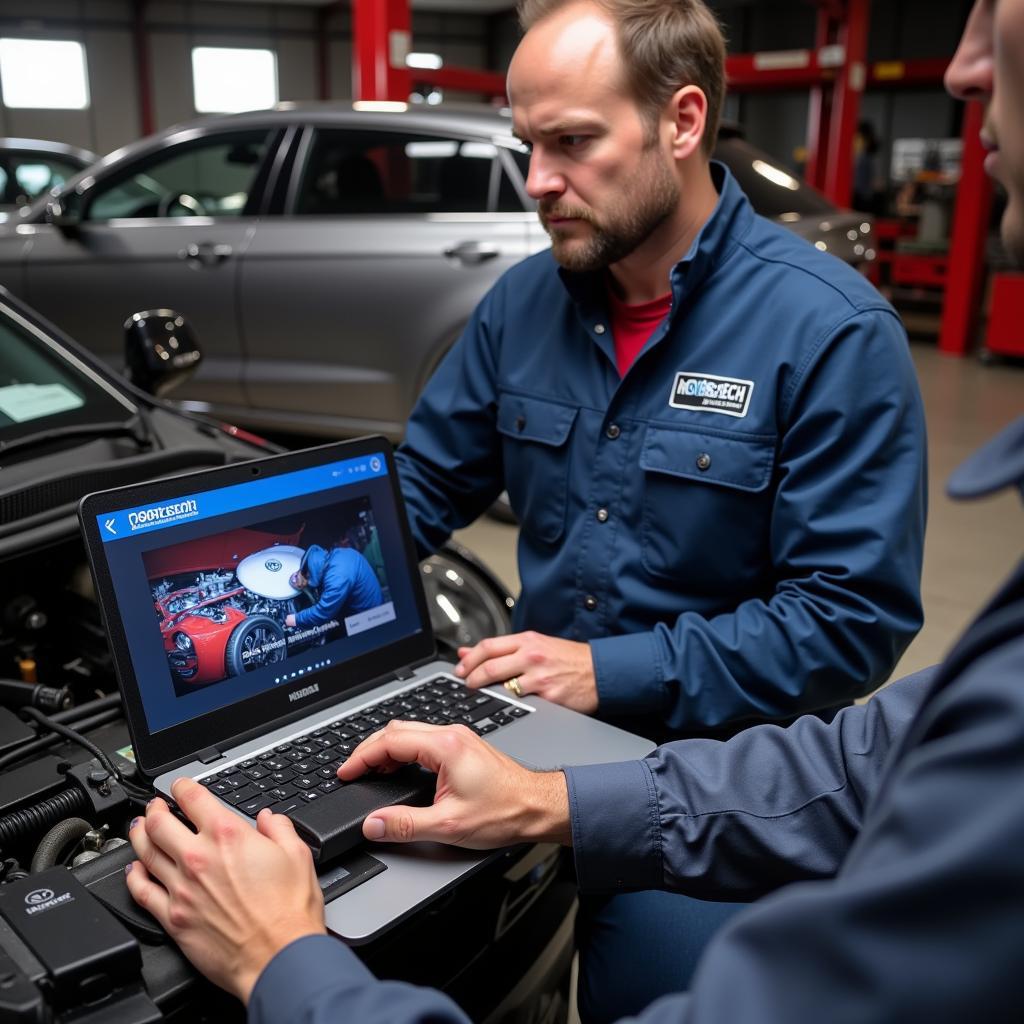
(623, 228)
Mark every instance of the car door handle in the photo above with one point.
(470, 253)
(206, 254)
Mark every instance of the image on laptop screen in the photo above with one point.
(227, 593)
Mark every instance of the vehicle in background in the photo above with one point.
(327, 256)
(780, 196)
(30, 168)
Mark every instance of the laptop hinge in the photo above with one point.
(209, 755)
(404, 673)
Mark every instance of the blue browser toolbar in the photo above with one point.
(191, 508)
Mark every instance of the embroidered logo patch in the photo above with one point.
(704, 392)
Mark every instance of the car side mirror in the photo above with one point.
(62, 217)
(160, 350)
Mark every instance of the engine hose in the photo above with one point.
(34, 819)
(56, 840)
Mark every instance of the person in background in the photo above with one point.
(866, 188)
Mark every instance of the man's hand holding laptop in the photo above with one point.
(232, 896)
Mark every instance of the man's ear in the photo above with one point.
(688, 112)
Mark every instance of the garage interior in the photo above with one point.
(802, 76)
(804, 79)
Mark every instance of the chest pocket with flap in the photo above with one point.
(706, 505)
(536, 450)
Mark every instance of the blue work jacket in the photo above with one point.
(890, 840)
(736, 526)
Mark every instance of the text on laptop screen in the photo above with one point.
(227, 593)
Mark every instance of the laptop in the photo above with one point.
(266, 616)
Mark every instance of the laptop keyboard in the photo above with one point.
(305, 768)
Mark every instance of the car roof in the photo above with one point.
(471, 118)
(75, 153)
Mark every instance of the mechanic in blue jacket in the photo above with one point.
(900, 821)
(345, 581)
(727, 529)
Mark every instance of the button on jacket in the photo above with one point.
(898, 828)
(761, 468)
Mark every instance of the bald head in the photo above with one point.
(661, 46)
(573, 51)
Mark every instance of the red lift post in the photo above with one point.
(380, 42)
(143, 69)
(849, 87)
(967, 245)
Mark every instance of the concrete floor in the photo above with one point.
(970, 547)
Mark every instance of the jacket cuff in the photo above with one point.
(628, 674)
(298, 972)
(616, 828)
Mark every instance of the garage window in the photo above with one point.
(226, 80)
(43, 74)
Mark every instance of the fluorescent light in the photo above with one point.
(480, 150)
(231, 79)
(428, 61)
(43, 74)
(776, 175)
(436, 148)
(380, 106)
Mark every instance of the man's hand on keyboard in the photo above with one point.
(230, 896)
(484, 799)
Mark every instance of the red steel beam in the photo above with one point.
(853, 36)
(967, 246)
(380, 41)
(886, 74)
(796, 69)
(143, 68)
(490, 83)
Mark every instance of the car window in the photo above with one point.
(508, 196)
(40, 389)
(772, 190)
(209, 177)
(35, 175)
(521, 157)
(351, 172)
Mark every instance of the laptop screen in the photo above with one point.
(274, 583)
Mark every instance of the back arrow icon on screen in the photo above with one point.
(109, 524)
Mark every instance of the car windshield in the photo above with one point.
(773, 191)
(44, 387)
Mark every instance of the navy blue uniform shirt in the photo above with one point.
(890, 840)
(736, 526)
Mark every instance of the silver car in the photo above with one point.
(327, 256)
